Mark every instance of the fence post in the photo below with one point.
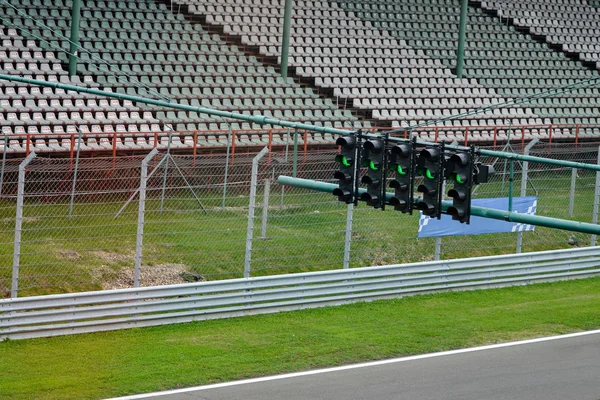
(524, 173)
(14, 289)
(226, 168)
(251, 205)
(265, 213)
(596, 201)
(572, 197)
(287, 145)
(4, 151)
(348, 240)
(79, 139)
(164, 184)
(437, 253)
(141, 216)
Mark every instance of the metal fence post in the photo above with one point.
(596, 201)
(4, 151)
(251, 205)
(524, 176)
(265, 213)
(348, 240)
(572, 196)
(73, 186)
(14, 289)
(226, 168)
(164, 184)
(141, 216)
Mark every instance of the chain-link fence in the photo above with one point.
(104, 223)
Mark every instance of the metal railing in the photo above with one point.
(195, 142)
(65, 314)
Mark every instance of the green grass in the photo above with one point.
(109, 364)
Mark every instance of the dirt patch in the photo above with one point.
(68, 254)
(112, 257)
(159, 275)
(25, 219)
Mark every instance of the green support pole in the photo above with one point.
(462, 33)
(285, 40)
(483, 212)
(74, 45)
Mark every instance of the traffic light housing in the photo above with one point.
(374, 178)
(346, 174)
(430, 166)
(402, 165)
(460, 171)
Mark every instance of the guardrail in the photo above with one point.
(66, 314)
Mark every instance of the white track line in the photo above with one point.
(355, 366)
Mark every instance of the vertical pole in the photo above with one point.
(4, 151)
(164, 185)
(295, 164)
(285, 40)
(438, 240)
(287, 146)
(75, 173)
(596, 201)
(572, 197)
(348, 240)
(265, 213)
(462, 33)
(511, 183)
(141, 217)
(524, 177)
(74, 44)
(14, 289)
(251, 205)
(226, 168)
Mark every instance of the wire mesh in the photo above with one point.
(195, 224)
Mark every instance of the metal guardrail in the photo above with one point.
(65, 314)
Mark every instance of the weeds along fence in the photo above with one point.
(157, 219)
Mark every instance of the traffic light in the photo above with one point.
(401, 164)
(430, 165)
(460, 171)
(347, 169)
(373, 159)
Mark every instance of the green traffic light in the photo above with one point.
(458, 179)
(400, 170)
(429, 175)
(373, 166)
(345, 162)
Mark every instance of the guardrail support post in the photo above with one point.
(14, 289)
(141, 216)
(251, 206)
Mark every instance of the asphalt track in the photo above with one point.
(560, 367)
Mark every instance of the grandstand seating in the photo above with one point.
(159, 54)
(571, 24)
(392, 61)
(497, 55)
(358, 61)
